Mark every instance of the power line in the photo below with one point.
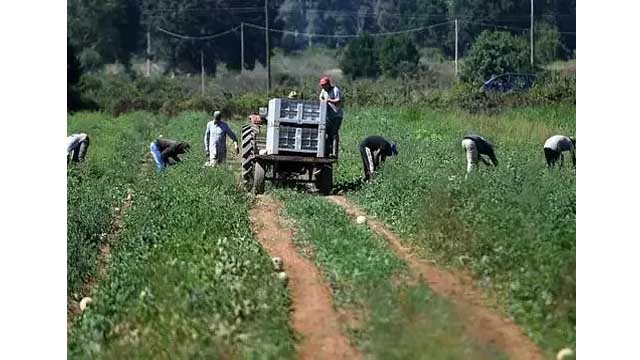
(349, 36)
(190, 37)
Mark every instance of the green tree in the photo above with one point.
(360, 58)
(109, 27)
(398, 55)
(546, 44)
(494, 53)
(73, 77)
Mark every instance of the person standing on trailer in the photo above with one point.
(77, 146)
(215, 140)
(475, 146)
(374, 151)
(555, 146)
(165, 152)
(333, 97)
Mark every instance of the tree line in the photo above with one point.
(109, 31)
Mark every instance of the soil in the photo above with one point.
(312, 312)
(481, 321)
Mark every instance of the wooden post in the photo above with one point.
(241, 47)
(266, 41)
(456, 56)
(148, 53)
(202, 69)
(531, 31)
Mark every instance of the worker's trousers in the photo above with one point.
(157, 156)
(218, 155)
(471, 150)
(334, 122)
(368, 161)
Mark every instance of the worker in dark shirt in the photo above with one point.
(475, 146)
(165, 152)
(374, 151)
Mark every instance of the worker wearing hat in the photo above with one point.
(215, 140)
(165, 152)
(374, 151)
(332, 96)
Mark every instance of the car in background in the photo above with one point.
(509, 82)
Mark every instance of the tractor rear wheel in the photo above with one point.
(249, 151)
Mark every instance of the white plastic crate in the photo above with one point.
(296, 126)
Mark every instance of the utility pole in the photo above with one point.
(241, 47)
(531, 32)
(148, 53)
(202, 69)
(456, 59)
(266, 41)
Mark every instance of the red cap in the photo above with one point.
(324, 80)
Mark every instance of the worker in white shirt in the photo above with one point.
(475, 146)
(555, 146)
(77, 146)
(215, 140)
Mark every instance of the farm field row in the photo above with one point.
(512, 227)
(100, 184)
(188, 278)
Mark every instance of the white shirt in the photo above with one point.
(215, 138)
(333, 94)
(73, 140)
(559, 143)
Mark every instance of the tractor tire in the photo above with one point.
(324, 182)
(258, 178)
(249, 151)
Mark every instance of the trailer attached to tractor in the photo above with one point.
(292, 148)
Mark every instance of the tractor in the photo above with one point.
(292, 147)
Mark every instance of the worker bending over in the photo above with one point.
(555, 146)
(332, 96)
(374, 151)
(77, 146)
(475, 146)
(215, 140)
(165, 152)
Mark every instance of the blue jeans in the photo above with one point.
(157, 157)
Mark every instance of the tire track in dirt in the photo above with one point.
(481, 322)
(312, 313)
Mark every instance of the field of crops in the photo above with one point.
(188, 278)
(512, 226)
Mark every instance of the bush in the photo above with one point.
(494, 53)
(360, 59)
(398, 55)
(547, 43)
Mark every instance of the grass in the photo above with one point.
(187, 279)
(512, 226)
(367, 278)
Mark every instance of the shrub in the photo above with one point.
(361, 58)
(547, 42)
(398, 55)
(494, 53)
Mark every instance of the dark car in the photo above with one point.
(509, 82)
